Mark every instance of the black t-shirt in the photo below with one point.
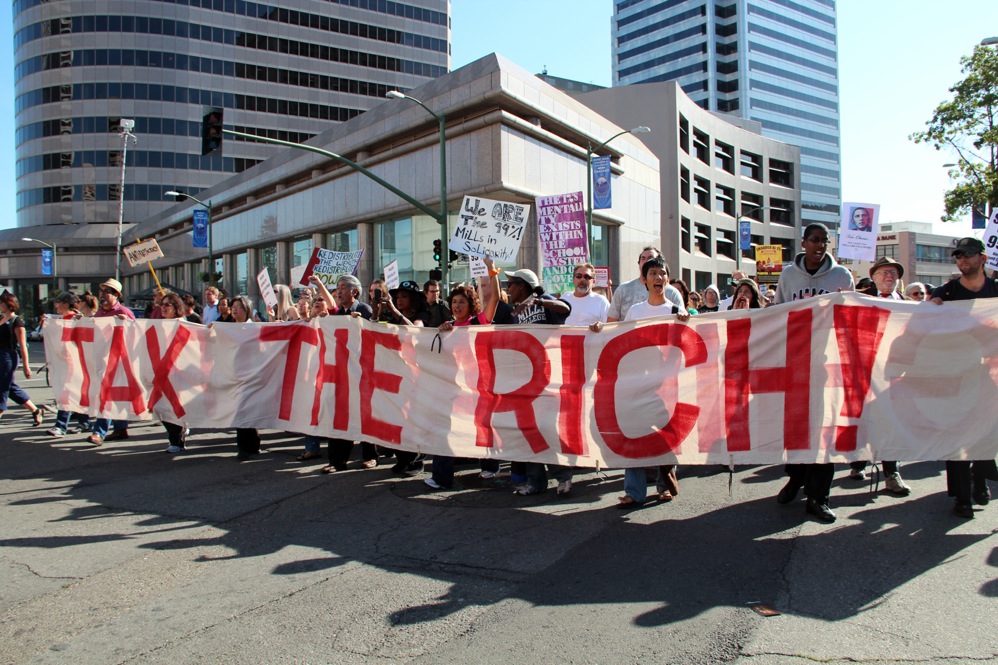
(954, 290)
(8, 338)
(535, 313)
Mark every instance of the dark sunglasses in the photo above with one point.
(581, 276)
(962, 254)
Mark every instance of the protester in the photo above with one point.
(152, 310)
(285, 309)
(88, 304)
(528, 303)
(66, 307)
(886, 274)
(632, 292)
(190, 309)
(711, 300)
(211, 312)
(587, 307)
(467, 309)
(727, 304)
(173, 308)
(966, 480)
(687, 297)
(405, 305)
(304, 305)
(695, 301)
(747, 295)
(655, 277)
(916, 291)
(110, 305)
(437, 310)
(224, 313)
(376, 294)
(13, 342)
(813, 272)
(247, 438)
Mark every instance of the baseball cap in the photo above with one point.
(970, 246)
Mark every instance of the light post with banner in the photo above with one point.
(202, 229)
(53, 258)
(590, 152)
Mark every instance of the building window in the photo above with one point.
(751, 204)
(724, 200)
(701, 144)
(781, 212)
(727, 68)
(781, 173)
(301, 251)
(242, 270)
(726, 243)
(727, 86)
(342, 241)
(601, 245)
(890, 251)
(702, 189)
(751, 165)
(703, 232)
(685, 234)
(724, 156)
(684, 183)
(727, 105)
(684, 134)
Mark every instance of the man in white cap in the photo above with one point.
(110, 305)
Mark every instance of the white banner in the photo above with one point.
(831, 378)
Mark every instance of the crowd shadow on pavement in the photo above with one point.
(705, 550)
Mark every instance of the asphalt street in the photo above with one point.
(123, 554)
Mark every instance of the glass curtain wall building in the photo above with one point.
(773, 61)
(288, 69)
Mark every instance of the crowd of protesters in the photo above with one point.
(654, 294)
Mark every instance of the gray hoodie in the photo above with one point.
(796, 283)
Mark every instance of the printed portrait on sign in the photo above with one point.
(861, 219)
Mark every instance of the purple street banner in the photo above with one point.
(602, 196)
(561, 224)
(200, 227)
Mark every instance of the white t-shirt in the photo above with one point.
(586, 309)
(631, 293)
(645, 310)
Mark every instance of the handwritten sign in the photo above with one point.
(392, 274)
(561, 225)
(266, 288)
(328, 265)
(991, 241)
(490, 227)
(143, 252)
(478, 267)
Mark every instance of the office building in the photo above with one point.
(772, 61)
(287, 70)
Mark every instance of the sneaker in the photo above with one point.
(95, 439)
(175, 449)
(529, 490)
(487, 475)
(564, 487)
(857, 474)
(76, 429)
(895, 485)
(965, 510)
(57, 432)
(433, 484)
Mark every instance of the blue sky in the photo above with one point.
(897, 61)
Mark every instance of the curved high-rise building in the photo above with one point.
(284, 69)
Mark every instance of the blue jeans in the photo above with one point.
(101, 425)
(636, 482)
(8, 365)
(62, 420)
(313, 444)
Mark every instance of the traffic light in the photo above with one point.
(437, 274)
(437, 251)
(211, 132)
(453, 256)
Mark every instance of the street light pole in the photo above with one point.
(126, 127)
(738, 237)
(211, 260)
(590, 151)
(442, 219)
(55, 259)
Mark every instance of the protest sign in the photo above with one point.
(602, 194)
(991, 241)
(489, 227)
(392, 274)
(833, 378)
(142, 252)
(478, 267)
(266, 288)
(768, 263)
(858, 231)
(328, 265)
(602, 276)
(561, 225)
(297, 272)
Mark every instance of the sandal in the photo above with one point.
(329, 468)
(304, 457)
(37, 415)
(665, 496)
(627, 502)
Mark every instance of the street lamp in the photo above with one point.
(749, 216)
(444, 234)
(211, 260)
(55, 265)
(990, 41)
(590, 151)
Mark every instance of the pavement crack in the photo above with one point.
(846, 659)
(46, 577)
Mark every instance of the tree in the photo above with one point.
(967, 125)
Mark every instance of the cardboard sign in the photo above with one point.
(478, 267)
(858, 231)
(602, 276)
(392, 274)
(561, 225)
(490, 227)
(142, 252)
(328, 265)
(266, 288)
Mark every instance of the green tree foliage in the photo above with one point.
(966, 124)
